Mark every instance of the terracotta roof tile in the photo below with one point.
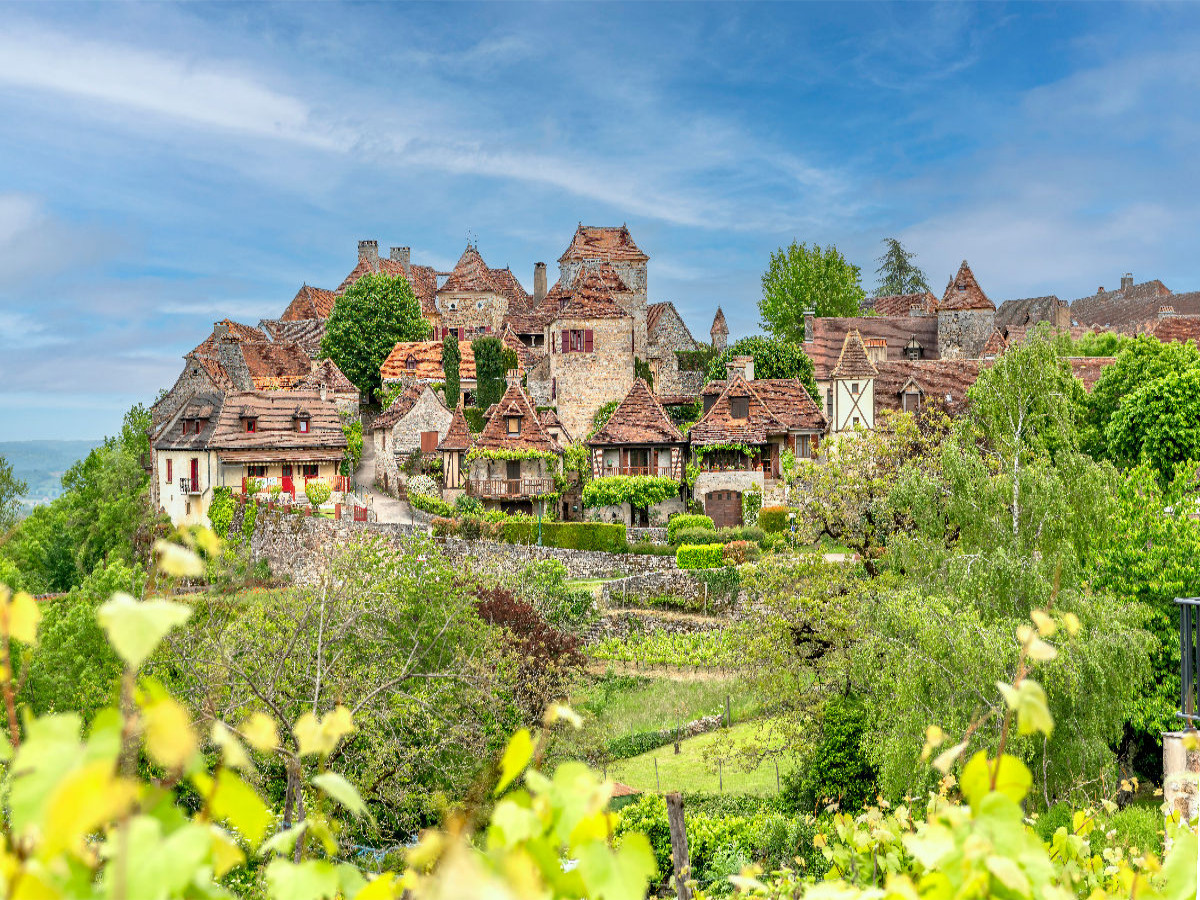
(309, 303)
(934, 379)
(964, 293)
(275, 366)
(308, 333)
(719, 426)
(326, 373)
(549, 419)
(719, 326)
(996, 344)
(829, 334)
(1088, 369)
(511, 288)
(235, 330)
(603, 242)
(1125, 309)
(790, 402)
(533, 436)
(591, 296)
(205, 408)
(638, 419)
(1029, 311)
(901, 304)
(852, 361)
(527, 356)
(471, 275)
(403, 404)
(1177, 328)
(275, 427)
(458, 437)
(427, 361)
(422, 278)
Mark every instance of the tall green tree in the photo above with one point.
(368, 320)
(1158, 424)
(801, 278)
(451, 369)
(12, 489)
(490, 369)
(773, 358)
(897, 272)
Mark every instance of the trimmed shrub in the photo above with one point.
(698, 536)
(317, 492)
(738, 552)
(686, 520)
(220, 511)
(839, 768)
(468, 505)
(773, 519)
(443, 527)
(435, 506)
(700, 556)
(647, 548)
(568, 535)
(741, 533)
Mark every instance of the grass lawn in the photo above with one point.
(692, 771)
(588, 584)
(623, 705)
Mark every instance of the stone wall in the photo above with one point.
(742, 481)
(298, 546)
(963, 333)
(622, 514)
(653, 535)
(621, 623)
(586, 381)
(427, 414)
(1181, 776)
(473, 311)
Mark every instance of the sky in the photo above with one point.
(166, 166)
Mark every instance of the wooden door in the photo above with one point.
(724, 508)
(513, 471)
(289, 486)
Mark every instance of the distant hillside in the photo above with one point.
(41, 464)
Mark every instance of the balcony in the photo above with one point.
(654, 471)
(509, 488)
(189, 486)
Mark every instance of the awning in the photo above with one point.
(281, 456)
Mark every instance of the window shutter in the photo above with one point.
(429, 441)
(169, 478)
(566, 344)
(587, 341)
(553, 396)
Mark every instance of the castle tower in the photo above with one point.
(719, 331)
(593, 245)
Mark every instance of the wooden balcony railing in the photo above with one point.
(657, 471)
(506, 488)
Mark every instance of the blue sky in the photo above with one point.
(162, 167)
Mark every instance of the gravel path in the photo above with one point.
(387, 509)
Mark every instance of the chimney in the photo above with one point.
(369, 250)
(809, 315)
(1165, 312)
(324, 391)
(402, 255)
(1100, 290)
(1126, 281)
(220, 330)
(539, 282)
(742, 365)
(512, 378)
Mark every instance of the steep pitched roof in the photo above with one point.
(325, 373)
(964, 293)
(900, 304)
(275, 366)
(719, 326)
(852, 361)
(638, 419)
(308, 333)
(549, 419)
(654, 312)
(427, 359)
(603, 242)
(458, 437)
(471, 275)
(935, 379)
(309, 303)
(829, 334)
(403, 405)
(275, 428)
(996, 344)
(790, 402)
(422, 278)
(510, 287)
(1028, 311)
(1177, 328)
(204, 408)
(526, 356)
(236, 330)
(533, 436)
(719, 426)
(591, 296)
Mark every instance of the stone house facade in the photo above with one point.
(417, 420)
(965, 316)
(184, 470)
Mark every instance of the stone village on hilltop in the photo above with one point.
(257, 402)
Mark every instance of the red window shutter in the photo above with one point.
(487, 329)
(429, 441)
(169, 478)
(587, 341)
(566, 344)
(195, 472)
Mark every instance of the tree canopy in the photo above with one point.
(801, 278)
(369, 319)
(773, 358)
(897, 272)
(11, 490)
(491, 366)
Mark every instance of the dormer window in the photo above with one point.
(913, 349)
(250, 423)
(479, 304)
(709, 400)
(411, 364)
(514, 424)
(452, 305)
(302, 422)
(960, 287)
(739, 407)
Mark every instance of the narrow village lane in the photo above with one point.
(387, 509)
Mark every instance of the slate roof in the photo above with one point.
(1089, 368)
(829, 334)
(1028, 311)
(1124, 309)
(936, 379)
(206, 408)
(275, 366)
(533, 436)
(852, 361)
(603, 242)
(638, 419)
(309, 303)
(326, 372)
(718, 426)
(276, 428)
(236, 330)
(458, 437)
(900, 304)
(308, 333)
(591, 296)
(428, 358)
(402, 405)
(964, 293)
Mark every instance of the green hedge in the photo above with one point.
(700, 556)
(686, 520)
(568, 535)
(641, 491)
(773, 519)
(698, 536)
(435, 506)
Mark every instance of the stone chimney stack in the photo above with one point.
(539, 282)
(741, 365)
(1165, 312)
(369, 251)
(809, 315)
(324, 391)
(403, 255)
(1126, 281)
(220, 330)
(512, 378)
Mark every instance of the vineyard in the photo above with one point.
(702, 650)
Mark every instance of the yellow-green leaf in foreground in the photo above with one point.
(233, 801)
(19, 616)
(1012, 780)
(134, 627)
(312, 879)
(259, 732)
(1028, 701)
(178, 561)
(516, 756)
(342, 791)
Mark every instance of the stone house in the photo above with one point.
(639, 438)
(513, 461)
(1032, 311)
(595, 246)
(420, 362)
(416, 420)
(215, 440)
(965, 317)
(590, 340)
(668, 334)
(476, 299)
(739, 441)
(332, 384)
(398, 264)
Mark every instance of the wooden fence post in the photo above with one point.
(679, 847)
(720, 777)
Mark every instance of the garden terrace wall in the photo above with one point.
(297, 547)
(621, 623)
(653, 535)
